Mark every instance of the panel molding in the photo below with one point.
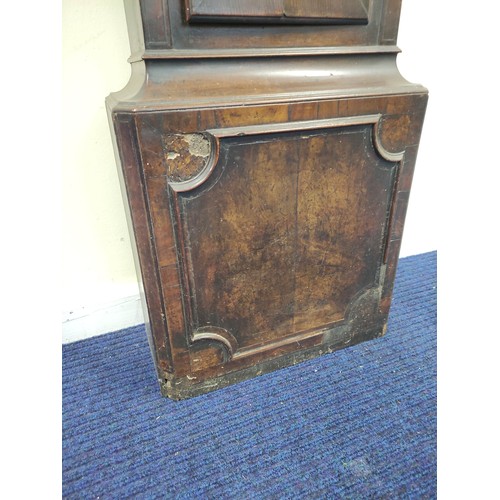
(216, 334)
(228, 343)
(156, 25)
(307, 125)
(278, 11)
(191, 157)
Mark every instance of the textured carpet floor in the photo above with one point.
(359, 423)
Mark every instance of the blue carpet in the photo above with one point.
(356, 424)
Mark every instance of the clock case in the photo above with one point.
(266, 152)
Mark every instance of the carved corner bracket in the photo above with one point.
(217, 334)
(189, 159)
(379, 147)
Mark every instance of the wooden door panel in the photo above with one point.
(278, 11)
(284, 231)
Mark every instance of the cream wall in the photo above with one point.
(98, 267)
(99, 282)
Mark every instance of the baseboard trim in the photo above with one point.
(105, 318)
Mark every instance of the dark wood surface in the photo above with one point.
(162, 29)
(267, 197)
(278, 11)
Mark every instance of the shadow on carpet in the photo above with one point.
(358, 423)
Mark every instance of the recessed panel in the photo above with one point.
(287, 231)
(278, 11)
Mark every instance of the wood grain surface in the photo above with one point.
(266, 172)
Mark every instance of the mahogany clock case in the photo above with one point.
(266, 154)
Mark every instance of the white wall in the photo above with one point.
(418, 62)
(98, 270)
(99, 281)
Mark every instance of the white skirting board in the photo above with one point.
(90, 321)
